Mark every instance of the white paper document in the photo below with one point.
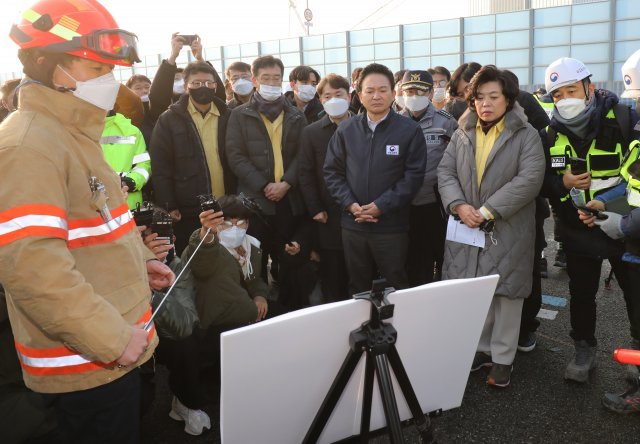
(457, 231)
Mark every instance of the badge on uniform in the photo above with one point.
(393, 150)
(558, 162)
(432, 139)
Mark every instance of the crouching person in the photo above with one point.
(176, 323)
(230, 291)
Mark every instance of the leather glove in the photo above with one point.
(611, 225)
(129, 183)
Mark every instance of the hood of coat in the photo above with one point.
(513, 120)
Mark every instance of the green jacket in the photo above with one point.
(125, 150)
(224, 298)
(177, 316)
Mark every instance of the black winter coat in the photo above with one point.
(535, 113)
(313, 151)
(250, 154)
(386, 167)
(313, 109)
(180, 171)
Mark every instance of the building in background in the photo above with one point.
(603, 34)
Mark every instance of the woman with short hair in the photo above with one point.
(489, 177)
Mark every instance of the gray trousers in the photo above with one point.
(501, 328)
(367, 254)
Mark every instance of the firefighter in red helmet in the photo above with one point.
(73, 265)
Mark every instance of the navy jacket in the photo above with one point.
(386, 167)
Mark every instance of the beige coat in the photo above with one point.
(74, 282)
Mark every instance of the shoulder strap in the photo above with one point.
(624, 121)
(551, 136)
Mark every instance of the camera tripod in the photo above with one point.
(377, 340)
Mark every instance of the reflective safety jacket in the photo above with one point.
(633, 184)
(604, 162)
(125, 150)
(71, 259)
(547, 106)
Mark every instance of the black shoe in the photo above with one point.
(561, 258)
(624, 404)
(500, 375)
(544, 273)
(527, 343)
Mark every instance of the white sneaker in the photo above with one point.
(195, 421)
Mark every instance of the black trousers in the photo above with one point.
(334, 279)
(532, 304)
(633, 298)
(106, 414)
(273, 234)
(584, 280)
(368, 255)
(427, 232)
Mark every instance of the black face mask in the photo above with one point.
(202, 95)
(456, 108)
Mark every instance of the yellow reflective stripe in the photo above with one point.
(30, 15)
(63, 32)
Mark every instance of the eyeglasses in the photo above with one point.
(440, 83)
(195, 84)
(240, 223)
(242, 76)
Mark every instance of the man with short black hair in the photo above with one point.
(303, 81)
(262, 146)
(374, 167)
(238, 75)
(187, 151)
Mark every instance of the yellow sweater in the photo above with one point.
(275, 135)
(208, 130)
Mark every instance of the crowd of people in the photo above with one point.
(313, 193)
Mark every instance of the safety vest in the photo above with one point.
(125, 151)
(547, 106)
(64, 360)
(604, 164)
(633, 184)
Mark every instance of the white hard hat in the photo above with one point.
(563, 72)
(631, 76)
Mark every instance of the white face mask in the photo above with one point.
(439, 94)
(336, 107)
(570, 108)
(232, 237)
(178, 87)
(242, 87)
(306, 92)
(270, 93)
(145, 98)
(416, 103)
(101, 91)
(400, 101)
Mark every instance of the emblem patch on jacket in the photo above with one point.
(558, 162)
(393, 150)
(432, 139)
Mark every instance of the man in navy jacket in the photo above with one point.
(374, 166)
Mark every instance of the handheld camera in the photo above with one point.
(162, 224)
(143, 214)
(209, 202)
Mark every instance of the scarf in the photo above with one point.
(245, 260)
(271, 110)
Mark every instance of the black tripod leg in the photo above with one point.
(388, 399)
(423, 424)
(365, 419)
(333, 396)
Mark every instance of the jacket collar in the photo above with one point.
(290, 112)
(69, 110)
(427, 117)
(364, 119)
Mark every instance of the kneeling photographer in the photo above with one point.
(230, 291)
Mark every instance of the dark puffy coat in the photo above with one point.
(313, 151)
(250, 154)
(180, 171)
